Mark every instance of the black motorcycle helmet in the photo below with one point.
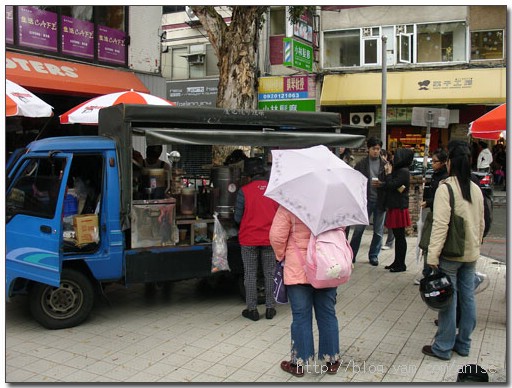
(436, 290)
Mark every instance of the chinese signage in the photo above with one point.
(9, 24)
(40, 29)
(111, 45)
(193, 93)
(77, 37)
(304, 28)
(394, 114)
(286, 93)
(37, 28)
(297, 54)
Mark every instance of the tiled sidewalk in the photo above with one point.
(194, 336)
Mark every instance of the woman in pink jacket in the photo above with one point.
(289, 238)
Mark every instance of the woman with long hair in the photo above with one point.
(469, 205)
(398, 218)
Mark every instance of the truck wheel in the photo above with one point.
(65, 306)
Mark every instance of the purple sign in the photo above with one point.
(295, 84)
(37, 28)
(9, 24)
(77, 37)
(111, 45)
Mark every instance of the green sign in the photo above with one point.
(299, 105)
(297, 54)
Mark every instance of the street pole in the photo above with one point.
(429, 120)
(384, 93)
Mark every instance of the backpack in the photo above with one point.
(329, 259)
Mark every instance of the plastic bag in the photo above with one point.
(280, 294)
(219, 247)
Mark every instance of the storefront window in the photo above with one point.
(111, 16)
(441, 42)
(80, 12)
(342, 48)
(487, 45)
(72, 31)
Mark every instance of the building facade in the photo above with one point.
(69, 54)
(445, 57)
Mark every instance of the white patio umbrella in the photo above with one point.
(87, 112)
(318, 187)
(20, 102)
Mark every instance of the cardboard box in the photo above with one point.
(86, 228)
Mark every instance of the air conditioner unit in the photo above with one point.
(362, 119)
(196, 59)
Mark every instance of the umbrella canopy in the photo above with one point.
(491, 125)
(318, 187)
(20, 102)
(87, 112)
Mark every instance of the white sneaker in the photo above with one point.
(417, 281)
(483, 282)
(385, 247)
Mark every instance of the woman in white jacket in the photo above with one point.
(469, 205)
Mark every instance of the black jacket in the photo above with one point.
(363, 166)
(437, 176)
(399, 177)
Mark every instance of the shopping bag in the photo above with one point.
(219, 247)
(280, 294)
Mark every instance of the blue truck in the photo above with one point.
(63, 278)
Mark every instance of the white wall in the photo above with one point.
(384, 15)
(145, 29)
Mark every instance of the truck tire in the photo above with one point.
(65, 306)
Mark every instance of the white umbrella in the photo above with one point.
(318, 187)
(20, 102)
(87, 112)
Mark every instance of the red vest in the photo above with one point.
(258, 215)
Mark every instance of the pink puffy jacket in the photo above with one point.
(285, 227)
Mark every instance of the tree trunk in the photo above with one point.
(236, 46)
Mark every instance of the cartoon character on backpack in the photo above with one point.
(329, 259)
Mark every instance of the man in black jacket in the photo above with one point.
(372, 167)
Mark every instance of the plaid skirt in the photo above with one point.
(397, 218)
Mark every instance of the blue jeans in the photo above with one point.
(303, 299)
(447, 338)
(378, 231)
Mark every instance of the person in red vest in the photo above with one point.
(254, 213)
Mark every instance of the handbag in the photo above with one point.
(456, 236)
(280, 294)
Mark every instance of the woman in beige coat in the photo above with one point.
(469, 205)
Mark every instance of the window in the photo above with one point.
(35, 192)
(111, 16)
(411, 43)
(277, 21)
(404, 43)
(191, 62)
(94, 33)
(342, 48)
(371, 45)
(441, 42)
(487, 45)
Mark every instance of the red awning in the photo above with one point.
(47, 75)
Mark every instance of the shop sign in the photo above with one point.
(77, 37)
(37, 28)
(297, 55)
(297, 105)
(286, 93)
(193, 93)
(111, 45)
(9, 24)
